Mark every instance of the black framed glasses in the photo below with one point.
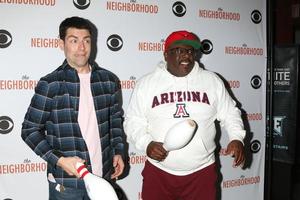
(182, 51)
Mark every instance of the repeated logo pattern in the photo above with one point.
(81, 4)
(6, 124)
(131, 36)
(256, 16)
(256, 82)
(114, 42)
(5, 39)
(179, 9)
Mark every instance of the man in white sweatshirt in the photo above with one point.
(177, 90)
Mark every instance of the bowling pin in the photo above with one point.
(97, 188)
(179, 135)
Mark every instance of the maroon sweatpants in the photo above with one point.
(160, 185)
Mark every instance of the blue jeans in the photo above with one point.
(67, 193)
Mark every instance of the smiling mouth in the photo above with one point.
(184, 63)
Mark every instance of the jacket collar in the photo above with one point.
(65, 65)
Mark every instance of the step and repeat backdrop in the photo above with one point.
(130, 42)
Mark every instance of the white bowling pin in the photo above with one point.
(97, 188)
(179, 135)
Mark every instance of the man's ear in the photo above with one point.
(61, 44)
(165, 55)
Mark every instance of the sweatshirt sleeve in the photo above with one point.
(135, 124)
(229, 114)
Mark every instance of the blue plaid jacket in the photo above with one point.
(51, 129)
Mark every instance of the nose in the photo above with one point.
(82, 45)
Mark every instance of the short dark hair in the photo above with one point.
(73, 22)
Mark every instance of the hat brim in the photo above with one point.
(195, 44)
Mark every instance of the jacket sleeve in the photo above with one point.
(136, 123)
(116, 119)
(229, 114)
(34, 125)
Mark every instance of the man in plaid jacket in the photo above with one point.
(75, 116)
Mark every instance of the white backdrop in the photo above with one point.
(130, 39)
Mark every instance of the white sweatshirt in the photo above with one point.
(160, 100)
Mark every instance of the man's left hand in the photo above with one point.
(118, 164)
(236, 149)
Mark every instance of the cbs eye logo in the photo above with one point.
(179, 9)
(256, 16)
(256, 82)
(206, 46)
(6, 124)
(255, 146)
(81, 4)
(114, 42)
(5, 38)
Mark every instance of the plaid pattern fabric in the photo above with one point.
(51, 129)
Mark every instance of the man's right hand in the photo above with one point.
(156, 151)
(68, 164)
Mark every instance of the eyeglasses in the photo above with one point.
(183, 51)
